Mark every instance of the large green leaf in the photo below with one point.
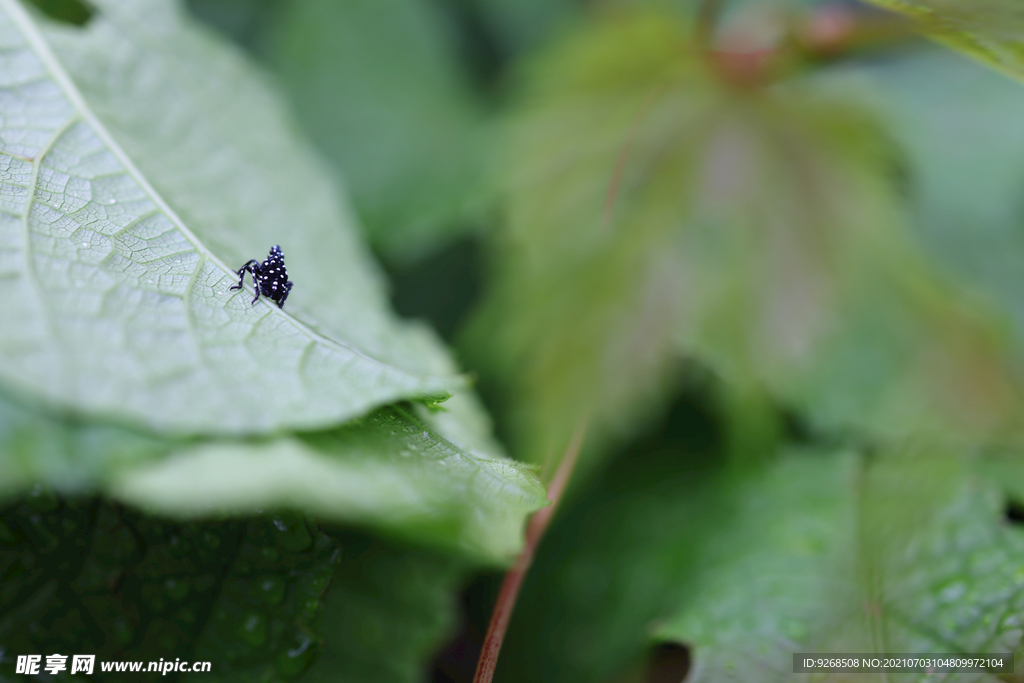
(386, 615)
(85, 576)
(402, 471)
(261, 598)
(139, 354)
(249, 145)
(820, 551)
(989, 30)
(908, 554)
(133, 181)
(389, 470)
(379, 86)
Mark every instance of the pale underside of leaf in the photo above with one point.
(389, 470)
(124, 312)
(392, 471)
(115, 307)
(258, 182)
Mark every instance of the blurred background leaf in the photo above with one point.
(387, 613)
(523, 25)
(988, 30)
(381, 90)
(398, 96)
(818, 548)
(960, 134)
(657, 209)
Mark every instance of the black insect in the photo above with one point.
(269, 278)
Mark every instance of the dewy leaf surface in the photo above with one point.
(116, 291)
(819, 551)
(386, 615)
(268, 598)
(989, 30)
(907, 554)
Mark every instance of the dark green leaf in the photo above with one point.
(523, 24)
(820, 551)
(386, 615)
(269, 598)
(89, 577)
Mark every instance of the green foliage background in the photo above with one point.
(769, 266)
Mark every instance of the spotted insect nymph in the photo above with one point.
(269, 278)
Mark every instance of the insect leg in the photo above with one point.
(257, 285)
(281, 301)
(241, 273)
